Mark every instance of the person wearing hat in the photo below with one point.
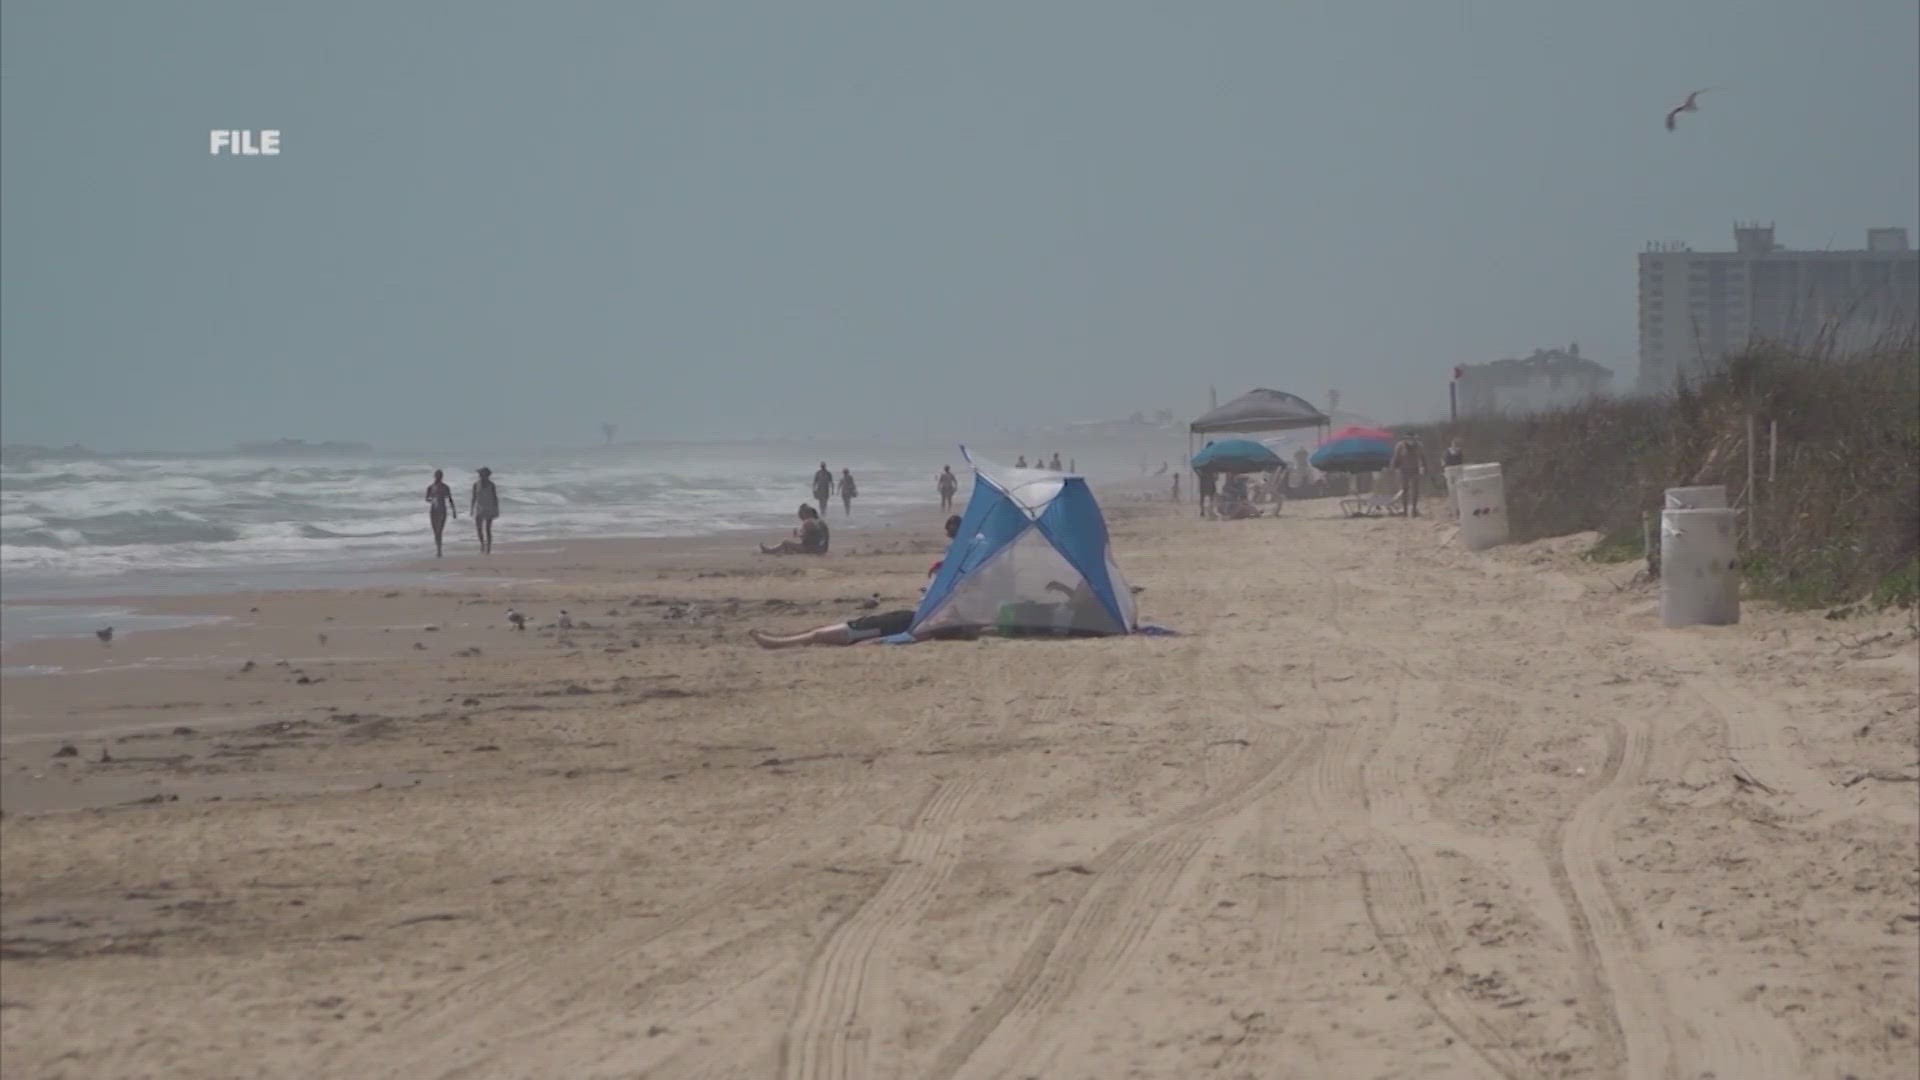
(484, 506)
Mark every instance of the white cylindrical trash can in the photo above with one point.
(1699, 568)
(1483, 509)
(1703, 497)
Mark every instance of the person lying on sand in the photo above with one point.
(863, 630)
(866, 628)
(1084, 605)
(811, 538)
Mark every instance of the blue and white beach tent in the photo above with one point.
(1031, 556)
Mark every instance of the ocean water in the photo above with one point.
(73, 529)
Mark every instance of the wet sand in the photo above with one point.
(1385, 809)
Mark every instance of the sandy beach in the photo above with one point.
(1385, 809)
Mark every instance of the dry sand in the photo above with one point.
(1386, 809)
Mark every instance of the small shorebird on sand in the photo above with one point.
(518, 620)
(105, 636)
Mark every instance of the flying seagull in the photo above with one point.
(1691, 105)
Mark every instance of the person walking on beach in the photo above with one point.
(1209, 491)
(947, 484)
(484, 506)
(1176, 487)
(823, 487)
(1406, 461)
(848, 490)
(439, 503)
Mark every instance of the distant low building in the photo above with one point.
(1550, 378)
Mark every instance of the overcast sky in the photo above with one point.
(513, 220)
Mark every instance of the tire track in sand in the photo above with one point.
(835, 1023)
(1756, 732)
(531, 995)
(1097, 929)
(1640, 1035)
(1399, 905)
(1650, 1037)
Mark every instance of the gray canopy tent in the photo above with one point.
(1258, 410)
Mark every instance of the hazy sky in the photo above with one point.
(511, 220)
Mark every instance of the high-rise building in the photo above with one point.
(1698, 306)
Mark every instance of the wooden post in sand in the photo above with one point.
(1652, 549)
(1773, 451)
(1753, 503)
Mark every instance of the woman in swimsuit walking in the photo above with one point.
(484, 506)
(439, 503)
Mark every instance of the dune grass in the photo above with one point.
(1833, 513)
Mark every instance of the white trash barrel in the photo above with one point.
(1705, 497)
(1487, 468)
(1699, 569)
(1483, 508)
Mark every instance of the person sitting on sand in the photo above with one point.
(1086, 614)
(1022, 463)
(811, 538)
(439, 503)
(483, 507)
(953, 530)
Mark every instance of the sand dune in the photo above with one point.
(1385, 809)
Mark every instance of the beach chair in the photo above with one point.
(1369, 505)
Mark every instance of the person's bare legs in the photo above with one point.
(439, 531)
(837, 634)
